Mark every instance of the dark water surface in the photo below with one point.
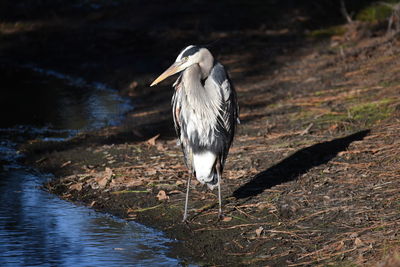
(45, 98)
(37, 228)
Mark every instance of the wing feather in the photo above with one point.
(229, 110)
(178, 121)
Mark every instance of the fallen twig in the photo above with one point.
(316, 214)
(144, 209)
(323, 258)
(129, 191)
(307, 130)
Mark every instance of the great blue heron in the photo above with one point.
(205, 113)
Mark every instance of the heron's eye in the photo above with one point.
(185, 58)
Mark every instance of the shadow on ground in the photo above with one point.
(300, 162)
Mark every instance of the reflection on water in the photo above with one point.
(37, 228)
(45, 98)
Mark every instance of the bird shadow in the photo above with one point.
(297, 164)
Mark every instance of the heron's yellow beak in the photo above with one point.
(174, 68)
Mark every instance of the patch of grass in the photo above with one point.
(300, 143)
(375, 12)
(327, 32)
(274, 105)
(240, 219)
(129, 191)
(343, 263)
(379, 228)
(280, 145)
(368, 113)
(272, 197)
(389, 83)
(303, 114)
(331, 118)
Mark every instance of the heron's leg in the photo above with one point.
(219, 193)
(187, 197)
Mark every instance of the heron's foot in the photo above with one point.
(185, 218)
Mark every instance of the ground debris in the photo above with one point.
(162, 195)
(312, 178)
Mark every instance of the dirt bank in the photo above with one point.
(313, 175)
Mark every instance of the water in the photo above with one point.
(46, 99)
(37, 228)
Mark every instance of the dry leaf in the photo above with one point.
(358, 242)
(134, 183)
(152, 141)
(160, 147)
(108, 172)
(162, 195)
(333, 127)
(133, 85)
(104, 177)
(77, 187)
(151, 172)
(194, 182)
(65, 164)
(227, 219)
(132, 216)
(102, 182)
(41, 160)
(174, 192)
(130, 210)
(339, 246)
(259, 230)
(353, 235)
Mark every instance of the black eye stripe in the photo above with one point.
(190, 51)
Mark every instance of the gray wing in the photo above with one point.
(229, 113)
(176, 104)
(178, 121)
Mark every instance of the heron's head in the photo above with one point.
(187, 57)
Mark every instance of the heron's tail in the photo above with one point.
(204, 167)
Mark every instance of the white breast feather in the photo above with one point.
(201, 112)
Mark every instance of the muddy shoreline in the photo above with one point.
(312, 177)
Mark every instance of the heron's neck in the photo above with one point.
(206, 64)
(202, 99)
(195, 92)
(192, 77)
